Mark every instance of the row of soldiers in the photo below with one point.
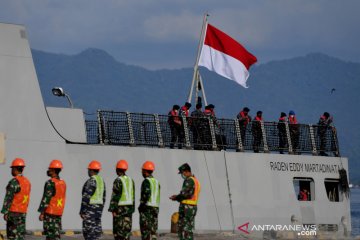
(122, 202)
(199, 126)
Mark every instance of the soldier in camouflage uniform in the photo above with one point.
(149, 203)
(53, 202)
(188, 199)
(92, 203)
(16, 201)
(122, 203)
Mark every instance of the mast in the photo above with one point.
(196, 76)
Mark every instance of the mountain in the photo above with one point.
(309, 85)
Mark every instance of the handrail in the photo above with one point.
(139, 129)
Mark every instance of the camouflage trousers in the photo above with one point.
(149, 223)
(122, 225)
(186, 222)
(16, 226)
(52, 227)
(91, 228)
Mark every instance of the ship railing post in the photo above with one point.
(312, 138)
(158, 131)
(266, 147)
(336, 142)
(131, 130)
(239, 147)
(212, 132)
(100, 131)
(186, 131)
(288, 137)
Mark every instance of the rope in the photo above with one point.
(212, 191)
(228, 185)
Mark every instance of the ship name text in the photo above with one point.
(304, 167)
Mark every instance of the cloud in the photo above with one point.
(168, 27)
(270, 29)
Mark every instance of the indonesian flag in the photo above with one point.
(225, 56)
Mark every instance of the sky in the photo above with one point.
(158, 34)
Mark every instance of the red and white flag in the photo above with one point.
(225, 56)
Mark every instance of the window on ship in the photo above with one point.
(333, 190)
(304, 188)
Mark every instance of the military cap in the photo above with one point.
(184, 167)
(176, 107)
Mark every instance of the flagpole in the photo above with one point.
(201, 40)
(202, 88)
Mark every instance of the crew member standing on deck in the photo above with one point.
(53, 202)
(149, 203)
(282, 132)
(122, 204)
(244, 119)
(188, 199)
(294, 129)
(16, 201)
(175, 127)
(323, 125)
(92, 203)
(184, 110)
(257, 131)
(197, 126)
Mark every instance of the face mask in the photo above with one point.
(144, 176)
(48, 173)
(183, 176)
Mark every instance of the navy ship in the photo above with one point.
(254, 194)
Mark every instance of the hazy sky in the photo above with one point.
(164, 33)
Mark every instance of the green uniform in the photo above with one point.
(51, 223)
(16, 223)
(149, 208)
(122, 221)
(187, 212)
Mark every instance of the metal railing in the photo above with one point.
(139, 129)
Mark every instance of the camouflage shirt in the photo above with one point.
(91, 210)
(145, 191)
(115, 198)
(49, 192)
(187, 190)
(12, 188)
